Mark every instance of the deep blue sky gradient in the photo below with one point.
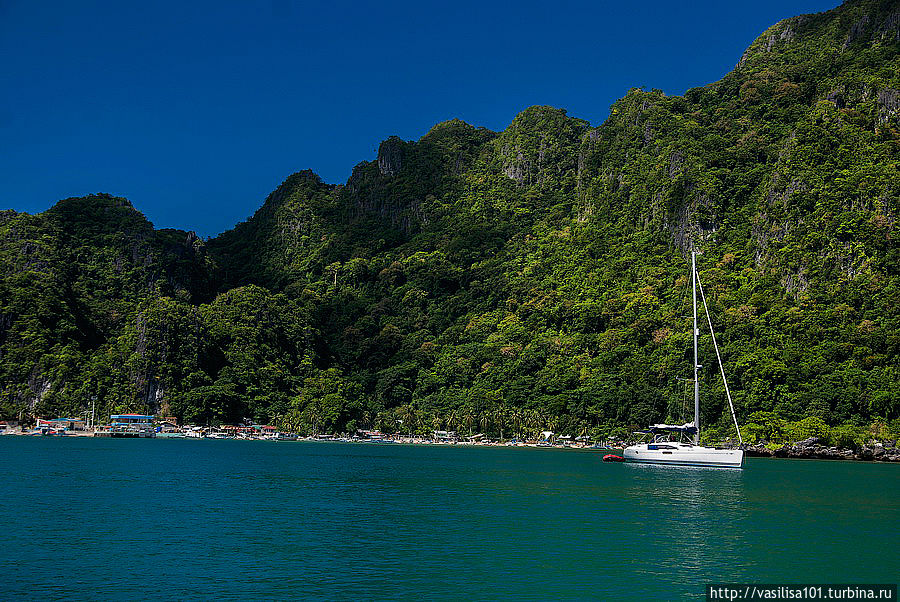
(197, 110)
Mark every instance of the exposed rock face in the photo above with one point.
(688, 228)
(784, 31)
(357, 176)
(515, 165)
(785, 35)
(155, 394)
(888, 104)
(877, 27)
(836, 98)
(541, 147)
(192, 241)
(758, 451)
(38, 388)
(812, 449)
(588, 142)
(889, 31)
(372, 193)
(390, 156)
(857, 30)
(676, 164)
(767, 229)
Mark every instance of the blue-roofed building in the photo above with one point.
(131, 419)
(128, 425)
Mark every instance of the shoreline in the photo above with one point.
(809, 449)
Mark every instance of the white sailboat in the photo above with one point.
(663, 451)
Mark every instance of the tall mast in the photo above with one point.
(696, 365)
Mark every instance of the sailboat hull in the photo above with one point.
(678, 454)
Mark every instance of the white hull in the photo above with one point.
(680, 454)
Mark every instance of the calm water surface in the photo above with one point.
(103, 518)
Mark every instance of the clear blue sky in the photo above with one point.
(197, 110)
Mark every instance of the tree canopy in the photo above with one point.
(515, 281)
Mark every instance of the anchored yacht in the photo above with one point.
(661, 450)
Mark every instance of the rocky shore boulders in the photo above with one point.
(812, 449)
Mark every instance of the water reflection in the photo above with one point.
(686, 520)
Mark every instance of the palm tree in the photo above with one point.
(552, 421)
(501, 415)
(436, 421)
(366, 419)
(410, 416)
(518, 419)
(453, 420)
(468, 417)
(533, 420)
(484, 421)
(313, 417)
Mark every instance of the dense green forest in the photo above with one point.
(536, 278)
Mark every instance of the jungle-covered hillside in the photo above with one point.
(507, 282)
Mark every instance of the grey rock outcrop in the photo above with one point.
(813, 449)
(888, 101)
(390, 156)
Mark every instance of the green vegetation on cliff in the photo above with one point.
(513, 281)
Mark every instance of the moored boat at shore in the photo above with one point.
(170, 435)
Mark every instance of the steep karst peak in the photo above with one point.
(390, 156)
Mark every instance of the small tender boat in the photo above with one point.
(613, 458)
(170, 435)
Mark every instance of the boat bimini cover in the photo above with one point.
(687, 427)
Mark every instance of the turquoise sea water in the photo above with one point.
(109, 518)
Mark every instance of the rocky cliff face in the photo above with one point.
(390, 156)
(540, 148)
(71, 278)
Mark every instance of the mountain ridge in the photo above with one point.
(534, 275)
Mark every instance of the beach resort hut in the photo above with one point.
(65, 424)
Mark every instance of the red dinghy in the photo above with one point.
(613, 458)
